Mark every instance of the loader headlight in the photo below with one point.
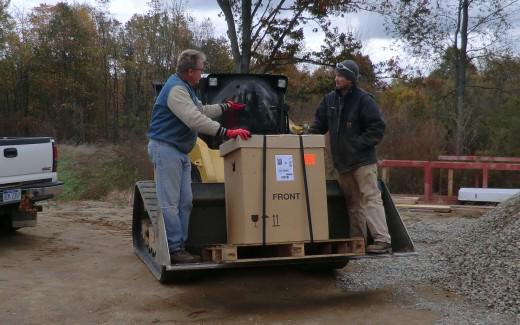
(213, 82)
(282, 83)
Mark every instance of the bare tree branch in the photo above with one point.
(247, 20)
(259, 23)
(267, 22)
(495, 14)
(225, 6)
(459, 11)
(291, 24)
(258, 5)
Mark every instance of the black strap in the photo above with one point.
(264, 189)
(304, 167)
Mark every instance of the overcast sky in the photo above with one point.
(369, 27)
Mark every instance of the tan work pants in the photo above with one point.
(364, 203)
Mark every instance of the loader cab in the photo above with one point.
(266, 111)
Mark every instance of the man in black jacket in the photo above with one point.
(356, 126)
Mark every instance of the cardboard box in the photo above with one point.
(285, 200)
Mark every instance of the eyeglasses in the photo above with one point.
(198, 69)
(343, 67)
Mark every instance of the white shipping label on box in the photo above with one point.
(284, 168)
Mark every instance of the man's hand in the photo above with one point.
(243, 133)
(234, 106)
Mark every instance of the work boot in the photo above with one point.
(379, 248)
(183, 257)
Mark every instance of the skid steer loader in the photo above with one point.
(266, 113)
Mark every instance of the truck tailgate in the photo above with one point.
(25, 159)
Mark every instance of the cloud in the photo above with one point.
(381, 49)
(123, 10)
(203, 5)
(366, 25)
(213, 14)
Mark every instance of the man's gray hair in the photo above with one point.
(188, 60)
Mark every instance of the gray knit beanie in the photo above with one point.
(348, 69)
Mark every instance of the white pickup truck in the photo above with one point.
(28, 173)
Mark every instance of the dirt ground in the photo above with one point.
(78, 267)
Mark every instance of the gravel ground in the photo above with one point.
(484, 259)
(477, 258)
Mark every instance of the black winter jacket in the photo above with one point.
(355, 124)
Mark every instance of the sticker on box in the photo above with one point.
(309, 159)
(284, 168)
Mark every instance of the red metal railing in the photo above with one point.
(480, 158)
(485, 164)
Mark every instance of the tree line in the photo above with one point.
(74, 72)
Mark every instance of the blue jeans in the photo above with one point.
(173, 184)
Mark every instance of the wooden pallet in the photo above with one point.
(425, 208)
(398, 199)
(293, 250)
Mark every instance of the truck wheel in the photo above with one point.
(6, 225)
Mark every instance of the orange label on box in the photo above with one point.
(310, 159)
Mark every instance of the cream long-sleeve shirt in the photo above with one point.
(197, 117)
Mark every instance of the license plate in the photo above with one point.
(11, 195)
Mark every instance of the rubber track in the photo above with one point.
(149, 196)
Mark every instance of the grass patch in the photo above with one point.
(73, 187)
(94, 171)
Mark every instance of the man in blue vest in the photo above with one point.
(177, 118)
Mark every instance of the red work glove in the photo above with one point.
(234, 106)
(243, 133)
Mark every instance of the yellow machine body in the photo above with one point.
(208, 162)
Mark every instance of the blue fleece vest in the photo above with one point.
(166, 126)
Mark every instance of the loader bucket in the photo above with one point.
(208, 227)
